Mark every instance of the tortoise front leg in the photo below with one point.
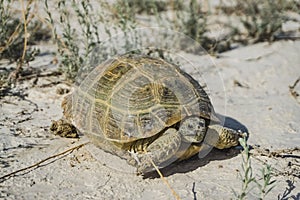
(222, 137)
(159, 151)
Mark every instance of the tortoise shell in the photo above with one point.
(131, 97)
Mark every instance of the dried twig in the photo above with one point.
(165, 180)
(25, 29)
(292, 89)
(38, 164)
(14, 75)
(239, 84)
(281, 154)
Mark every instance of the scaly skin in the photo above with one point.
(184, 143)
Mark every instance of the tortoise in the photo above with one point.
(146, 110)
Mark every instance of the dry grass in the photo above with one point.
(19, 30)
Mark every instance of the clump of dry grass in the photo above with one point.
(194, 24)
(146, 6)
(19, 31)
(261, 20)
(80, 25)
(72, 57)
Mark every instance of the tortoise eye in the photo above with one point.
(190, 126)
(165, 91)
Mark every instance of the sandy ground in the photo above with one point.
(249, 85)
(256, 83)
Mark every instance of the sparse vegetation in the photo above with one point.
(12, 32)
(74, 44)
(262, 20)
(146, 6)
(194, 24)
(19, 31)
(79, 27)
(263, 184)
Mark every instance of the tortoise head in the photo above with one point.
(193, 129)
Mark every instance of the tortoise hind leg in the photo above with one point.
(64, 129)
(159, 151)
